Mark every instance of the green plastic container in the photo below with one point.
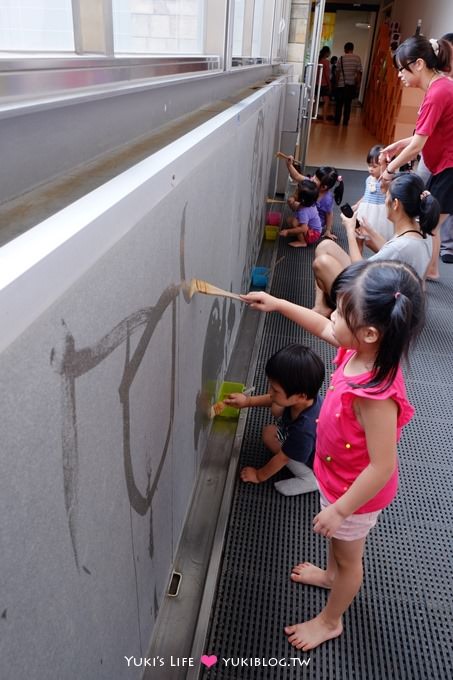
(227, 388)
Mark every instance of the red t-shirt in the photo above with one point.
(435, 120)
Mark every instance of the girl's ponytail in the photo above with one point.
(429, 212)
(442, 52)
(339, 190)
(409, 189)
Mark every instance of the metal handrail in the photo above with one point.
(44, 76)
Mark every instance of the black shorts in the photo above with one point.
(441, 187)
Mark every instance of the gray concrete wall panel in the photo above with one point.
(105, 387)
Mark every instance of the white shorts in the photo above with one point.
(355, 526)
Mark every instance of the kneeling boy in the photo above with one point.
(295, 375)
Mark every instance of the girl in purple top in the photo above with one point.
(327, 178)
(306, 225)
(331, 187)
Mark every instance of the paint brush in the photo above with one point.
(275, 200)
(285, 157)
(199, 286)
(218, 407)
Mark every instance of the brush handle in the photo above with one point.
(208, 289)
(284, 157)
(221, 293)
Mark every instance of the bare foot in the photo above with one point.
(308, 635)
(310, 575)
(297, 244)
(433, 277)
(325, 311)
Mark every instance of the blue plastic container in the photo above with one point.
(260, 277)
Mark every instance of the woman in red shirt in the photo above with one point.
(424, 63)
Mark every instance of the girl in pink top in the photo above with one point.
(380, 311)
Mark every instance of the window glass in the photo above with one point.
(158, 26)
(36, 25)
(258, 50)
(281, 26)
(256, 25)
(238, 28)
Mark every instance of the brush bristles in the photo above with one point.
(217, 408)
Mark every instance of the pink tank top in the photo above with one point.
(341, 452)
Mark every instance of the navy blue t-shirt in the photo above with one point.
(299, 435)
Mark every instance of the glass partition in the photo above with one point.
(36, 26)
(158, 26)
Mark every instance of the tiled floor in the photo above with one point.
(338, 146)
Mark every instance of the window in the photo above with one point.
(36, 25)
(238, 29)
(258, 50)
(281, 28)
(158, 26)
(257, 24)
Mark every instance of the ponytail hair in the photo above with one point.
(387, 295)
(435, 53)
(409, 189)
(328, 178)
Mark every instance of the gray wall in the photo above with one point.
(107, 369)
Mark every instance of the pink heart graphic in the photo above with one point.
(208, 660)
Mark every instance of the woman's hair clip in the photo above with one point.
(434, 45)
(397, 294)
(425, 194)
(339, 178)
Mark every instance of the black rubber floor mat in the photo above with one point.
(400, 626)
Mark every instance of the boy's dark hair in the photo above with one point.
(388, 295)
(349, 47)
(409, 189)
(307, 193)
(297, 369)
(328, 177)
(448, 37)
(419, 47)
(373, 154)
